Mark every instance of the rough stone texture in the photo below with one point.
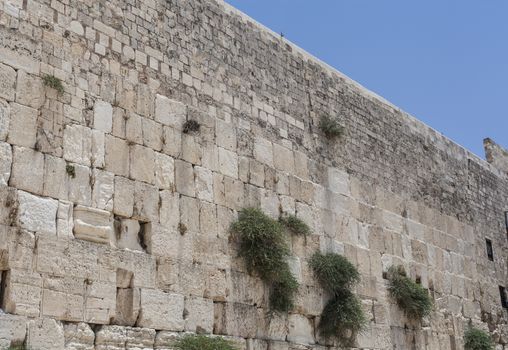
(111, 148)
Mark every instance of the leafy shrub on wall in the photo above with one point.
(476, 339)
(202, 342)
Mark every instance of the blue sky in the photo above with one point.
(443, 61)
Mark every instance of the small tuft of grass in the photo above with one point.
(203, 342)
(476, 339)
(264, 247)
(190, 125)
(334, 272)
(283, 291)
(53, 82)
(343, 318)
(71, 171)
(411, 297)
(295, 225)
(330, 127)
(182, 228)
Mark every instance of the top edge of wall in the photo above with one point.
(441, 141)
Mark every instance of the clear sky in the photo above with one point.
(443, 61)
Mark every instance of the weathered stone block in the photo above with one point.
(45, 334)
(235, 319)
(80, 190)
(152, 134)
(129, 235)
(55, 177)
(124, 196)
(27, 170)
(103, 116)
(29, 90)
(37, 214)
(162, 311)
(146, 205)
(93, 225)
(301, 329)
(128, 304)
(228, 163)
(204, 183)
(142, 163)
(5, 163)
(78, 336)
(5, 115)
(184, 173)
(283, 159)
(198, 315)
(77, 144)
(12, 329)
(117, 156)
(263, 151)
(226, 135)
(170, 112)
(100, 302)
(164, 171)
(103, 189)
(170, 210)
(22, 295)
(7, 82)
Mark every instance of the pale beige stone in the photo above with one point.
(128, 235)
(172, 141)
(283, 159)
(225, 135)
(77, 144)
(117, 156)
(97, 157)
(45, 334)
(170, 210)
(199, 315)
(5, 163)
(142, 163)
(160, 310)
(5, 115)
(80, 190)
(100, 302)
(152, 134)
(22, 126)
(184, 173)
(164, 171)
(55, 177)
(301, 329)
(22, 295)
(103, 116)
(103, 189)
(92, 224)
(7, 82)
(62, 306)
(263, 151)
(228, 163)
(37, 214)
(64, 220)
(124, 196)
(170, 112)
(128, 304)
(204, 183)
(191, 149)
(79, 336)
(134, 128)
(146, 204)
(29, 90)
(12, 329)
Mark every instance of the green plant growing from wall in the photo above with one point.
(343, 317)
(330, 127)
(411, 297)
(203, 342)
(264, 247)
(53, 82)
(71, 171)
(295, 225)
(191, 126)
(476, 339)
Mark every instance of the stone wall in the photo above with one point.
(114, 221)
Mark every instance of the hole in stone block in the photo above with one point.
(502, 293)
(127, 299)
(3, 286)
(418, 279)
(490, 251)
(131, 234)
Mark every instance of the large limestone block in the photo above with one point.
(338, 181)
(199, 315)
(55, 177)
(134, 128)
(128, 304)
(170, 210)
(5, 115)
(170, 112)
(139, 338)
(103, 116)
(103, 189)
(62, 306)
(228, 163)
(29, 90)
(204, 183)
(263, 151)
(152, 134)
(37, 214)
(283, 159)
(45, 334)
(5, 163)
(98, 151)
(146, 205)
(117, 156)
(226, 135)
(191, 149)
(100, 302)
(80, 190)
(161, 311)
(92, 224)
(7, 82)
(27, 170)
(79, 336)
(235, 319)
(142, 163)
(164, 171)
(12, 330)
(124, 196)
(22, 295)
(77, 144)
(301, 330)
(110, 338)
(184, 173)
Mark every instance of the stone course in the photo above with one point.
(114, 222)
